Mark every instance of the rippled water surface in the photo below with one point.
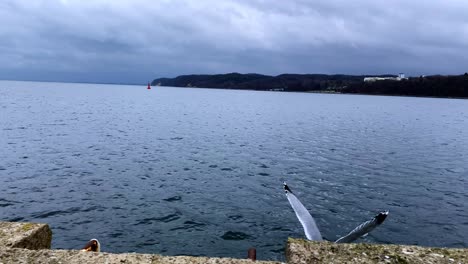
(199, 172)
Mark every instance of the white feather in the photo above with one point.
(308, 223)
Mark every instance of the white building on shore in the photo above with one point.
(401, 76)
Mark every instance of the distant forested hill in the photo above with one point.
(438, 86)
(285, 82)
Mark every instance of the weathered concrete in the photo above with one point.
(302, 251)
(25, 235)
(16, 240)
(20, 256)
(25, 243)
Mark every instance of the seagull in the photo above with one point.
(310, 227)
(92, 245)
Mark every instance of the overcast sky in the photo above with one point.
(136, 41)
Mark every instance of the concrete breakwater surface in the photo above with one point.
(198, 172)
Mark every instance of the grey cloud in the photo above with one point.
(143, 39)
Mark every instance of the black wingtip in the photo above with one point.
(286, 187)
(381, 217)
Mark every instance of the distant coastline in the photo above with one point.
(453, 86)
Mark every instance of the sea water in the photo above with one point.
(190, 171)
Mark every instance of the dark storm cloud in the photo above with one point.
(139, 40)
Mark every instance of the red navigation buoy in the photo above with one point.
(149, 86)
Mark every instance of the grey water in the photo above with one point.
(190, 171)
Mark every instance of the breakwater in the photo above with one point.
(30, 243)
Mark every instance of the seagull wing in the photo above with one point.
(308, 223)
(363, 228)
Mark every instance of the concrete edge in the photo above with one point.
(303, 251)
(17, 255)
(25, 235)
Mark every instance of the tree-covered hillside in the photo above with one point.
(437, 85)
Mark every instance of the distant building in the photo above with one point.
(401, 76)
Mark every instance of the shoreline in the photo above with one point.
(317, 92)
(235, 89)
(438, 86)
